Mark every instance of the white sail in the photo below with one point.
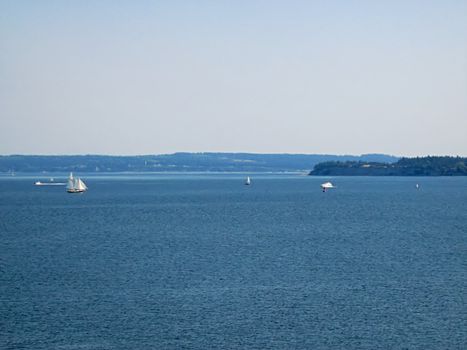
(80, 186)
(70, 184)
(247, 181)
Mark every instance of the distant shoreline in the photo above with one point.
(241, 163)
(178, 162)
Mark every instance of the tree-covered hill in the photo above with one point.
(419, 166)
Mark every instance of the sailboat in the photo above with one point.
(75, 185)
(247, 181)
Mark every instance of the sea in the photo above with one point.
(201, 261)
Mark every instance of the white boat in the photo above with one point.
(247, 181)
(326, 186)
(50, 183)
(75, 185)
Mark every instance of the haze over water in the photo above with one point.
(155, 77)
(204, 262)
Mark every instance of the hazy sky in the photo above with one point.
(145, 77)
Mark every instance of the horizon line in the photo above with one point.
(213, 152)
(199, 152)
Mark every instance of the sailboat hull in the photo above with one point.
(72, 190)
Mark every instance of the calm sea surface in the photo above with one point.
(204, 262)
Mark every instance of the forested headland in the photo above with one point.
(419, 166)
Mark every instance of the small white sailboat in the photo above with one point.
(247, 181)
(75, 185)
(326, 186)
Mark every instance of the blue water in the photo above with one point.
(204, 262)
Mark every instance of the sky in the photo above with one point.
(153, 77)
